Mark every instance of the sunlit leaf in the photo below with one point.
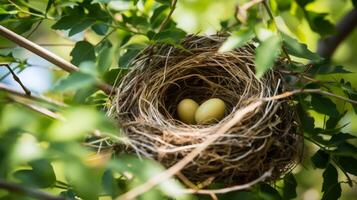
(236, 40)
(266, 53)
(298, 49)
(74, 82)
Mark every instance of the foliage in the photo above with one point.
(45, 151)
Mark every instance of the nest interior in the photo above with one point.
(147, 97)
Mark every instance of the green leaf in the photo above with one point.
(167, 2)
(115, 75)
(323, 105)
(298, 49)
(82, 51)
(340, 138)
(109, 184)
(349, 164)
(169, 36)
(105, 59)
(100, 28)
(320, 159)
(158, 16)
(331, 187)
(74, 81)
(290, 185)
(41, 175)
(131, 52)
(266, 53)
(269, 193)
(82, 25)
(319, 24)
(350, 92)
(345, 149)
(354, 2)
(303, 3)
(307, 122)
(332, 121)
(236, 40)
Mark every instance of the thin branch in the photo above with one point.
(232, 188)
(17, 79)
(15, 188)
(167, 19)
(7, 89)
(326, 47)
(241, 11)
(41, 110)
(47, 55)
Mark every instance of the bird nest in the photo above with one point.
(147, 98)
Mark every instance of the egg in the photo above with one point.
(186, 110)
(210, 111)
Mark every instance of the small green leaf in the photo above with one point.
(130, 54)
(323, 105)
(290, 185)
(82, 51)
(303, 3)
(41, 175)
(82, 25)
(349, 164)
(269, 193)
(298, 49)
(345, 149)
(105, 59)
(332, 121)
(236, 40)
(340, 138)
(74, 81)
(319, 24)
(266, 53)
(100, 28)
(169, 36)
(331, 187)
(320, 159)
(307, 122)
(109, 184)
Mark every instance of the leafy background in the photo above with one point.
(103, 36)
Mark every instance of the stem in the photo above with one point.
(17, 79)
(327, 46)
(7, 89)
(164, 23)
(15, 188)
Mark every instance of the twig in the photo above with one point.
(17, 79)
(233, 188)
(42, 45)
(153, 181)
(47, 55)
(164, 23)
(326, 47)
(11, 187)
(299, 91)
(6, 88)
(41, 110)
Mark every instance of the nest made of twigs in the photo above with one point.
(147, 97)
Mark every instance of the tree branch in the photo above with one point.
(326, 47)
(17, 79)
(47, 55)
(11, 187)
(7, 89)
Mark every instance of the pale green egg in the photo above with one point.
(210, 111)
(186, 110)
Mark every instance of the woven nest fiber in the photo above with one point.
(147, 98)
